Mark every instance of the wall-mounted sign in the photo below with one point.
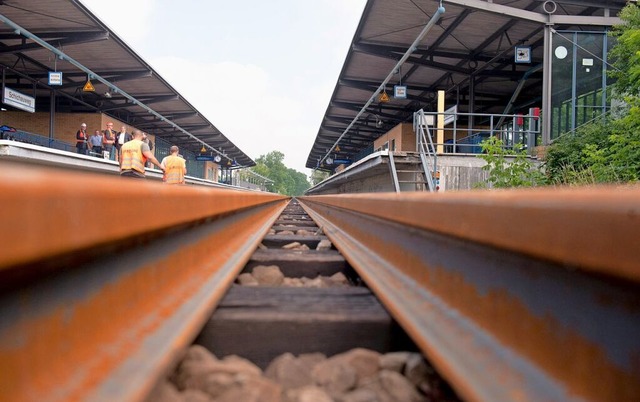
(55, 77)
(426, 120)
(523, 54)
(400, 91)
(19, 100)
(451, 114)
(204, 158)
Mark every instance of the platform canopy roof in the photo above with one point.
(70, 27)
(471, 46)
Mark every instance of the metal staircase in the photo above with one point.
(406, 172)
(409, 174)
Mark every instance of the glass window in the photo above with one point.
(578, 79)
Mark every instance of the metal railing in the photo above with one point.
(35, 139)
(512, 129)
(425, 148)
(458, 139)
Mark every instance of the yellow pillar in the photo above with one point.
(440, 123)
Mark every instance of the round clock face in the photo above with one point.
(329, 161)
(561, 52)
(217, 159)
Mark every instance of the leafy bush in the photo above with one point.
(605, 152)
(566, 153)
(520, 172)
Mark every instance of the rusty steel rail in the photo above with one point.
(513, 295)
(155, 260)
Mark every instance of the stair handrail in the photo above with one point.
(394, 173)
(426, 148)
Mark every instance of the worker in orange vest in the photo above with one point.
(175, 167)
(133, 156)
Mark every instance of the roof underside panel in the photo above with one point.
(467, 44)
(70, 27)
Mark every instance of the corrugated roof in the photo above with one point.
(72, 28)
(468, 41)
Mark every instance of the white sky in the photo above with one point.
(261, 71)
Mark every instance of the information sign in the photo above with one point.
(55, 77)
(400, 91)
(523, 54)
(19, 100)
(450, 114)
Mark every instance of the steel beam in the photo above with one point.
(518, 13)
(69, 41)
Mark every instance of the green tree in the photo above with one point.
(318, 176)
(626, 53)
(285, 180)
(300, 183)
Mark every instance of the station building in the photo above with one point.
(425, 82)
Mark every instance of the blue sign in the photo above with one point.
(204, 158)
(342, 161)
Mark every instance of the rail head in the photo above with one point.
(48, 212)
(594, 228)
(498, 288)
(107, 328)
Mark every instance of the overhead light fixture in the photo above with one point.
(203, 150)
(379, 122)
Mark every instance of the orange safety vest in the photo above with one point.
(174, 167)
(132, 157)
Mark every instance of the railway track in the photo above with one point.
(298, 299)
(103, 307)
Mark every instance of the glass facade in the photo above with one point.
(579, 80)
